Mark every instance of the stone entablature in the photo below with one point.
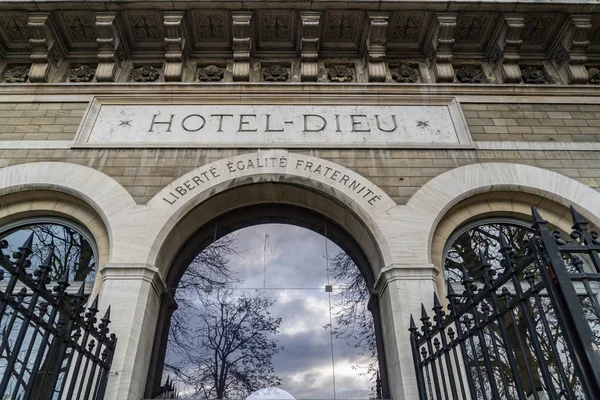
(425, 42)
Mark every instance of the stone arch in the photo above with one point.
(480, 190)
(69, 191)
(221, 188)
(98, 191)
(190, 200)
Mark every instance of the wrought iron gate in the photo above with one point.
(51, 347)
(531, 332)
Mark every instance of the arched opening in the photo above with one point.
(74, 250)
(299, 298)
(499, 283)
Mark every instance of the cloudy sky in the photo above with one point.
(288, 264)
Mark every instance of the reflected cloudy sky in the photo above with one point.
(288, 264)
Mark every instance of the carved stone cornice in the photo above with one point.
(439, 55)
(364, 38)
(309, 45)
(504, 56)
(46, 53)
(110, 46)
(242, 44)
(375, 46)
(175, 45)
(570, 55)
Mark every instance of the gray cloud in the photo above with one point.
(293, 269)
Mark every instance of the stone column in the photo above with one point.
(133, 293)
(401, 290)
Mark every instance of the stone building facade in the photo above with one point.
(86, 85)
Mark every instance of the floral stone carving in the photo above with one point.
(211, 73)
(470, 74)
(275, 73)
(534, 75)
(594, 74)
(83, 73)
(145, 73)
(405, 74)
(17, 74)
(340, 73)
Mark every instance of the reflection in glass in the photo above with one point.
(483, 238)
(514, 356)
(272, 305)
(71, 249)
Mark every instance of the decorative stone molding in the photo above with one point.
(175, 45)
(375, 47)
(145, 73)
(210, 73)
(309, 45)
(110, 46)
(594, 76)
(504, 56)
(404, 73)
(242, 44)
(82, 73)
(17, 74)
(45, 50)
(470, 74)
(275, 73)
(439, 56)
(340, 73)
(534, 74)
(570, 54)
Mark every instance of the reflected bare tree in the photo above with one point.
(221, 343)
(518, 344)
(228, 349)
(71, 250)
(353, 320)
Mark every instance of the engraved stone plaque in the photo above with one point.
(108, 124)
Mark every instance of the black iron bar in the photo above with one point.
(43, 308)
(533, 335)
(437, 356)
(561, 291)
(416, 355)
(529, 277)
(466, 321)
(469, 292)
(97, 360)
(510, 307)
(439, 320)
(427, 336)
(84, 374)
(60, 290)
(453, 347)
(14, 352)
(68, 341)
(453, 300)
(42, 276)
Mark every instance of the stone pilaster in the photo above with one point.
(110, 46)
(570, 55)
(309, 45)
(175, 45)
(375, 46)
(504, 56)
(133, 292)
(242, 44)
(401, 290)
(46, 53)
(439, 55)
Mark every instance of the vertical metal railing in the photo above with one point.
(51, 346)
(531, 332)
